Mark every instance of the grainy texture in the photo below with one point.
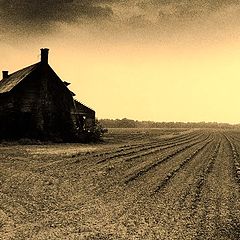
(139, 184)
(35, 103)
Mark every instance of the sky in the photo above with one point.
(159, 60)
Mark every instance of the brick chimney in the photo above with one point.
(44, 55)
(5, 74)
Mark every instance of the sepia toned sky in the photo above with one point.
(160, 60)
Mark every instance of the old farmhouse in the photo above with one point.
(36, 103)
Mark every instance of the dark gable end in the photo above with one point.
(58, 80)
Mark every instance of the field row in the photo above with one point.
(173, 186)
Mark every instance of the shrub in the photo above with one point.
(96, 132)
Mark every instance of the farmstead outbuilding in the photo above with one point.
(36, 103)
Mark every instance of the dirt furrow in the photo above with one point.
(236, 158)
(134, 146)
(149, 143)
(216, 214)
(156, 148)
(159, 161)
(183, 164)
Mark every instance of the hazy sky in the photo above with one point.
(161, 60)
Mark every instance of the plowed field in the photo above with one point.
(139, 184)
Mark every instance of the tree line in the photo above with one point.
(129, 123)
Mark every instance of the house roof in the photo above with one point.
(81, 109)
(7, 84)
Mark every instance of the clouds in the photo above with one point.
(154, 15)
(185, 9)
(47, 12)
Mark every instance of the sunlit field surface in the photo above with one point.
(137, 184)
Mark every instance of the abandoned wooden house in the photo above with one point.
(36, 103)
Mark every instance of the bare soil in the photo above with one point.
(137, 184)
